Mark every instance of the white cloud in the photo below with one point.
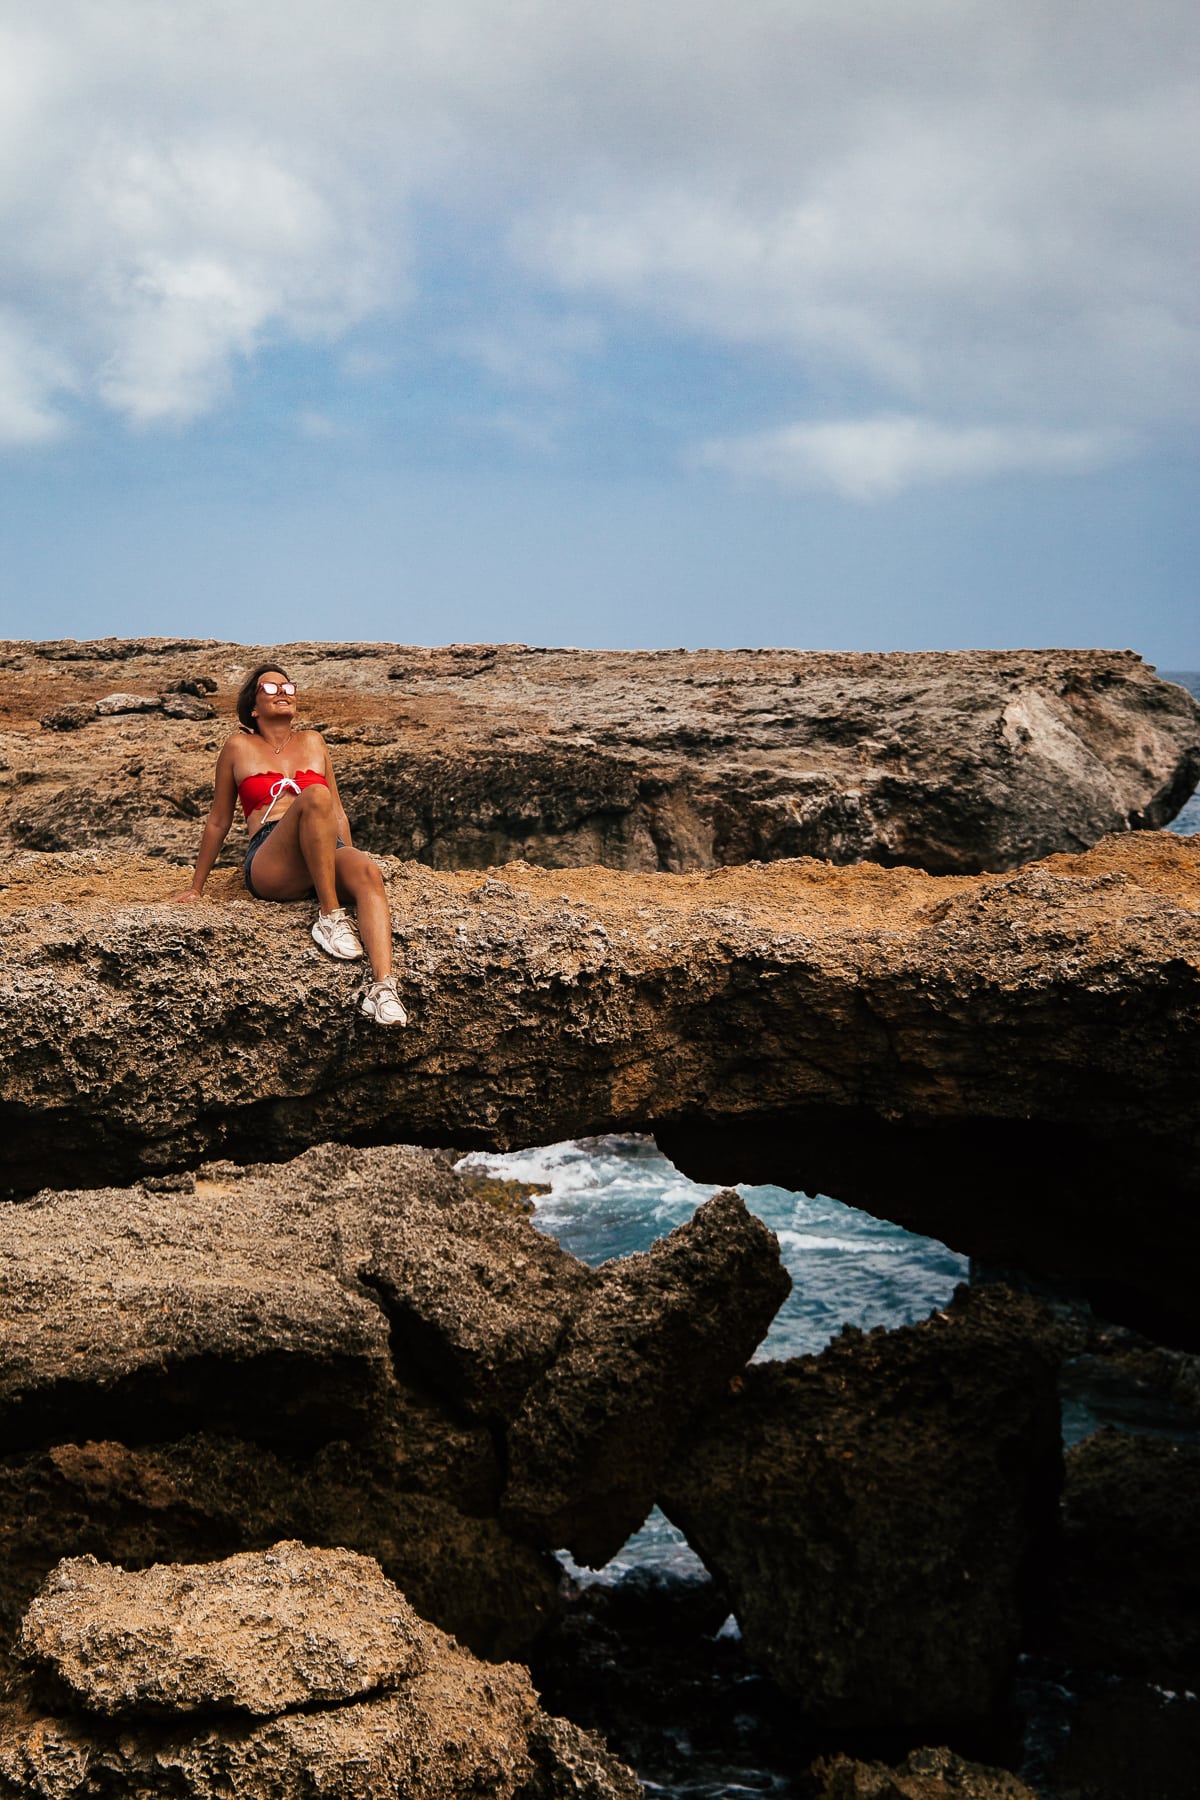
(874, 459)
(968, 211)
(29, 377)
(529, 350)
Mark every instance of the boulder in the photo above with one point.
(1129, 1574)
(277, 1695)
(219, 1336)
(877, 1513)
(431, 1525)
(186, 706)
(109, 705)
(257, 1634)
(657, 1334)
(68, 718)
(923, 1775)
(473, 755)
(997, 1061)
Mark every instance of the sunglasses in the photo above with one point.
(277, 687)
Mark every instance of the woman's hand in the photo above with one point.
(185, 897)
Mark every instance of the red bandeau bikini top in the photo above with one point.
(264, 787)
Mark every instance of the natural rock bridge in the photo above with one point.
(1008, 1062)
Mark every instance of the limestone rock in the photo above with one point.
(575, 1765)
(261, 1633)
(474, 755)
(109, 705)
(997, 1060)
(333, 1349)
(214, 1496)
(131, 1313)
(232, 1309)
(186, 706)
(923, 1775)
(478, 1301)
(1129, 1573)
(68, 718)
(875, 1512)
(198, 685)
(659, 1332)
(129, 1307)
(440, 1725)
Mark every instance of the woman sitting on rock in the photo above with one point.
(299, 834)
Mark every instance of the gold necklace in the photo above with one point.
(277, 755)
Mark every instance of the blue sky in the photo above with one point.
(843, 326)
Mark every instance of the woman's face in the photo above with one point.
(278, 708)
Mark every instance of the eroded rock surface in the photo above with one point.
(477, 1300)
(998, 1061)
(874, 1513)
(477, 754)
(367, 1703)
(207, 1380)
(434, 1532)
(261, 1633)
(1129, 1573)
(126, 1310)
(936, 1774)
(658, 1331)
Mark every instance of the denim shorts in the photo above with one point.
(255, 845)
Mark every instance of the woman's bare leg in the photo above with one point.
(318, 844)
(360, 884)
(299, 854)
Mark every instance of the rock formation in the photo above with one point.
(936, 1774)
(875, 1513)
(477, 755)
(352, 1349)
(591, 1443)
(258, 1634)
(293, 1671)
(1129, 1570)
(998, 1061)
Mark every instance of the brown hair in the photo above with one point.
(248, 693)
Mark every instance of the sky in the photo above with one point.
(842, 324)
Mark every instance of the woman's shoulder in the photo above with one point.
(238, 747)
(310, 745)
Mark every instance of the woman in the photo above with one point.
(299, 834)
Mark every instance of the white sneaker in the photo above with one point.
(381, 1002)
(336, 932)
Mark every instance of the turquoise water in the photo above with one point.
(613, 1195)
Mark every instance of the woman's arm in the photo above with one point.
(343, 821)
(216, 826)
